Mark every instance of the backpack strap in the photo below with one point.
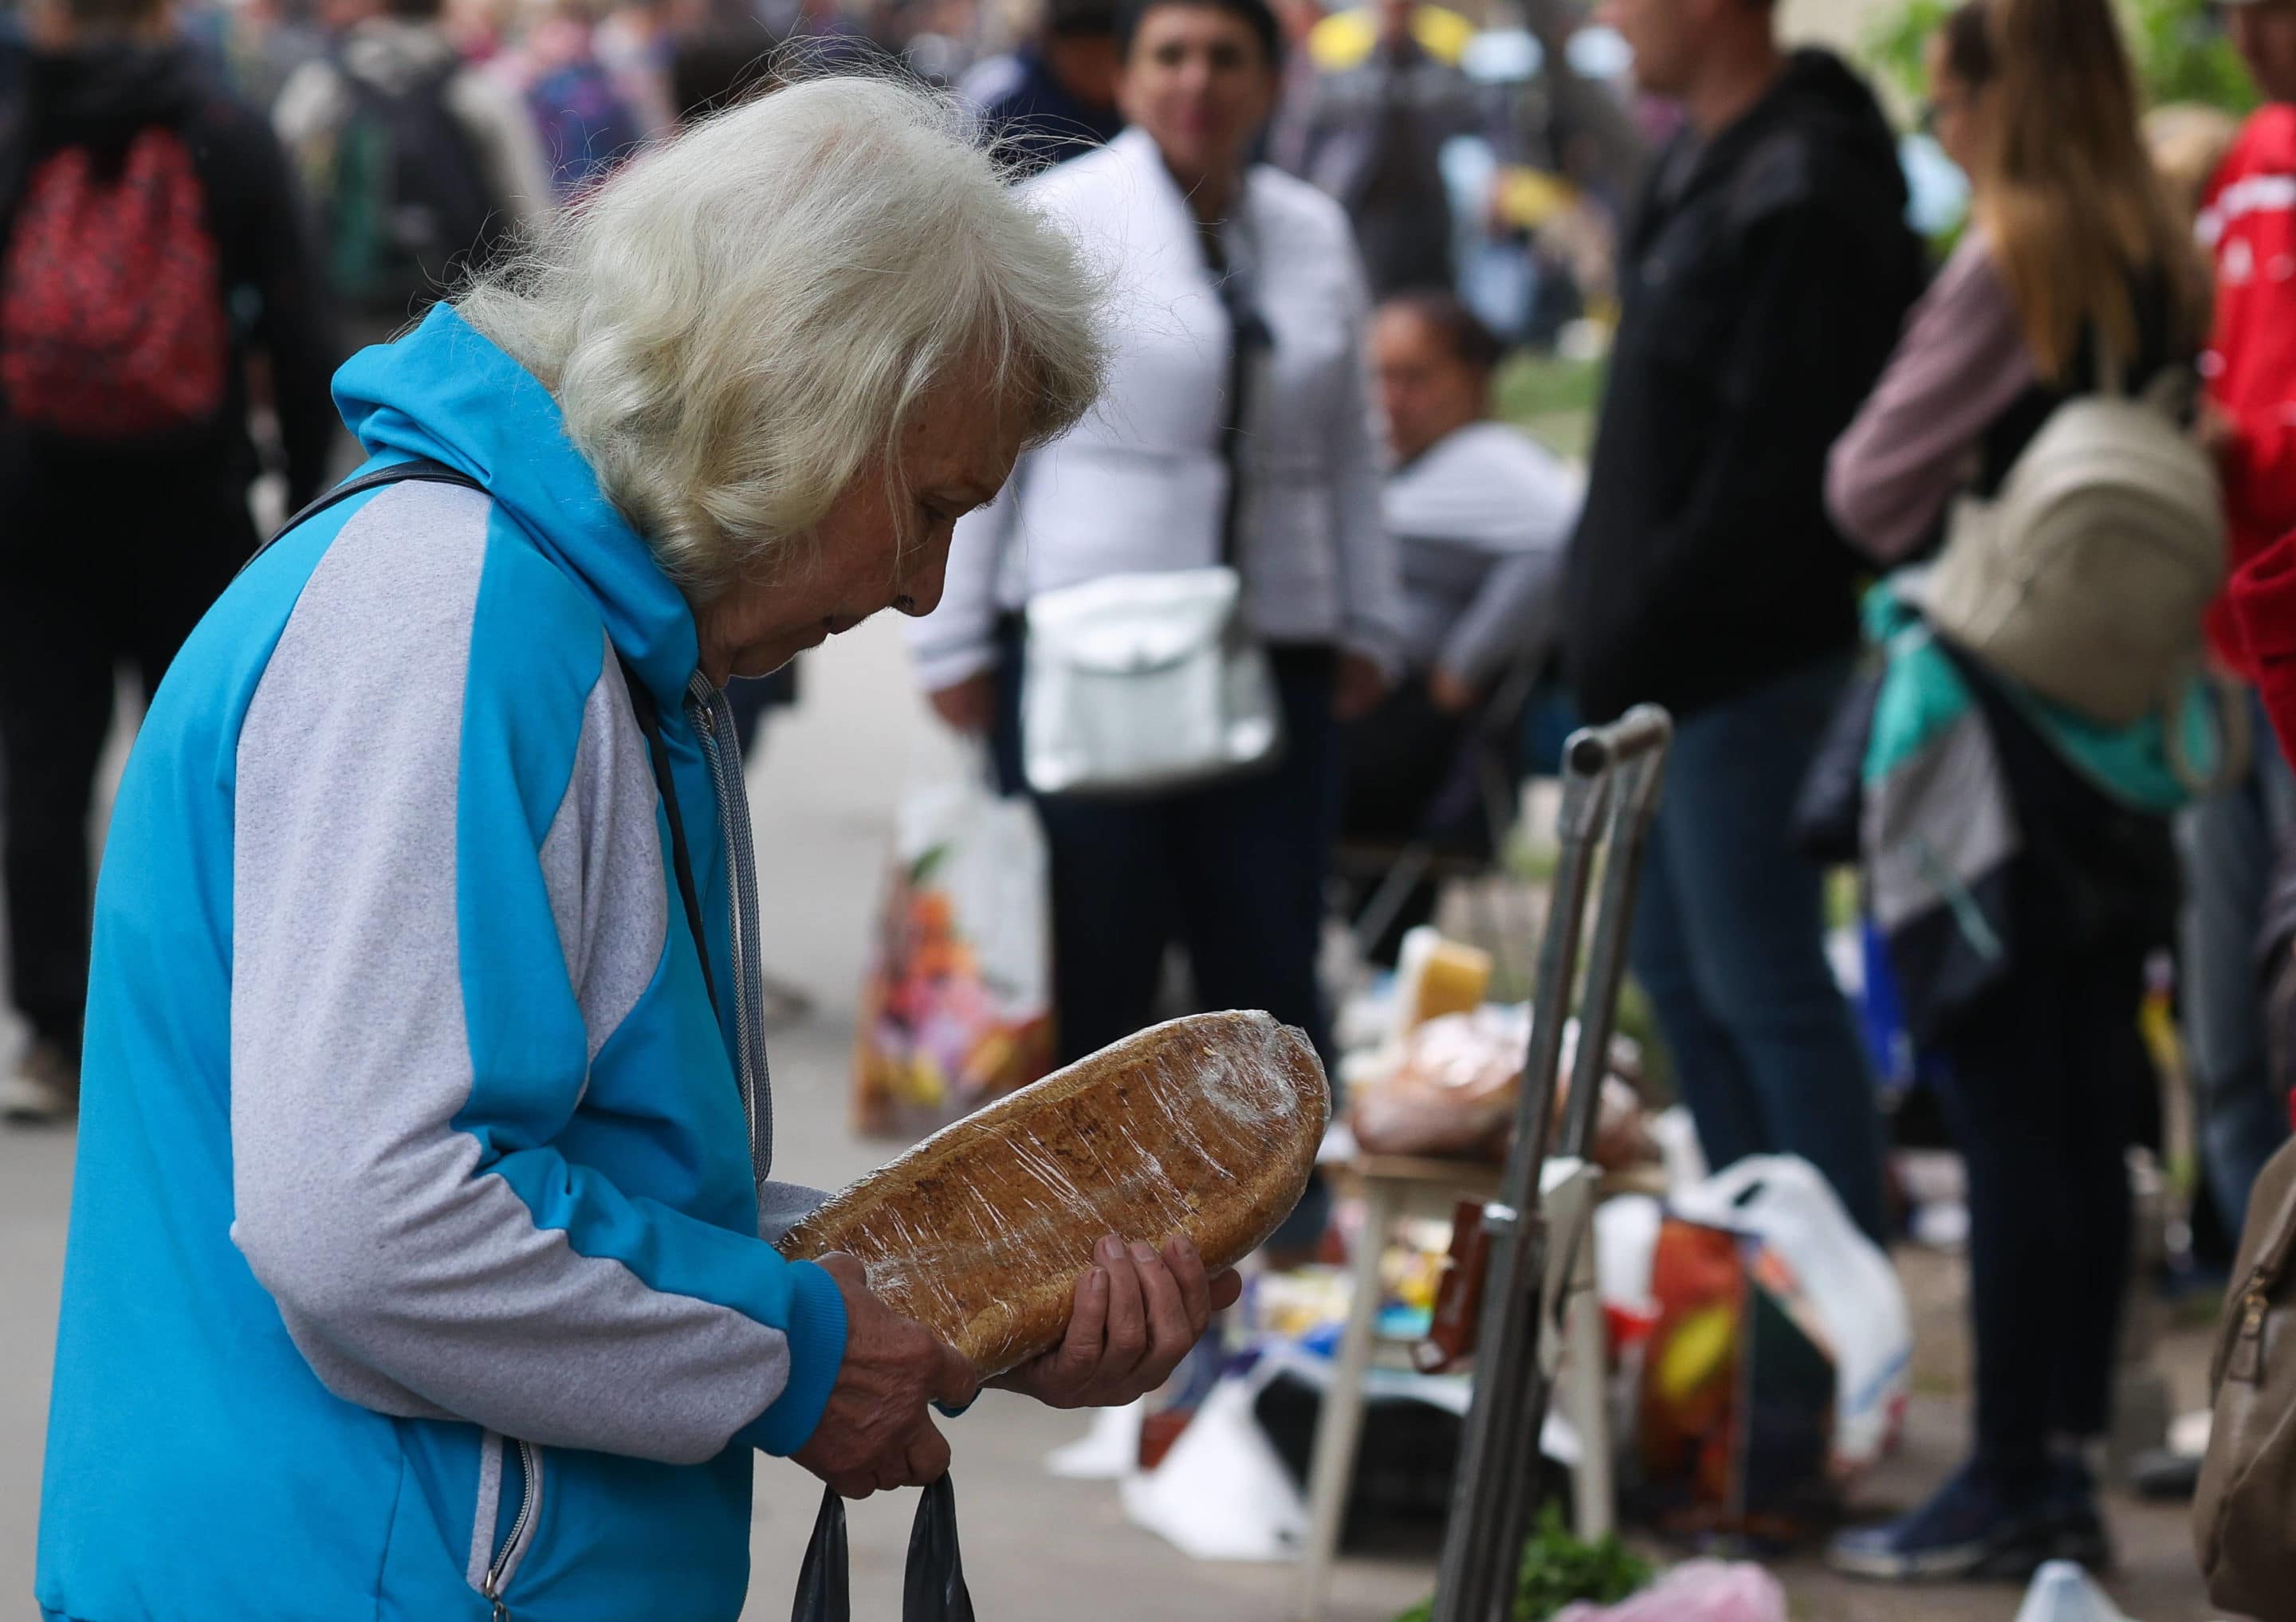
(421, 469)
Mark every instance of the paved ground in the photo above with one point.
(1038, 1550)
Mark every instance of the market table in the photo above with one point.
(1392, 1187)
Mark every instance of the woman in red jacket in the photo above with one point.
(2229, 842)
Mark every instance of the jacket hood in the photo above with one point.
(1850, 149)
(101, 97)
(447, 393)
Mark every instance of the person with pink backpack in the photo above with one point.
(150, 257)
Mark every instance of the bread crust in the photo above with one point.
(1206, 1125)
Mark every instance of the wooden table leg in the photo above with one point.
(1339, 1426)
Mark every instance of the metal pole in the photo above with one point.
(1633, 803)
(1636, 759)
(1490, 1510)
(1465, 1586)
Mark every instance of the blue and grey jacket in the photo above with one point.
(416, 1257)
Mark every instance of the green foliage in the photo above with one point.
(2180, 51)
(1895, 41)
(1558, 1569)
(1541, 385)
(1552, 400)
(2181, 55)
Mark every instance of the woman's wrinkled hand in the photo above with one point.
(1134, 1317)
(875, 1433)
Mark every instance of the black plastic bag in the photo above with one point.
(933, 1590)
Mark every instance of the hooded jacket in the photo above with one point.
(418, 1255)
(1763, 283)
(101, 99)
(2248, 223)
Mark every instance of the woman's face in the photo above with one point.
(1955, 110)
(1197, 80)
(1428, 391)
(882, 543)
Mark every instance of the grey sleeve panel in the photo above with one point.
(782, 1205)
(602, 862)
(411, 1283)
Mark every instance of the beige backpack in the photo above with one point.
(2085, 576)
(2246, 1507)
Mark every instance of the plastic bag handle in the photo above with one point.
(934, 1589)
(825, 1582)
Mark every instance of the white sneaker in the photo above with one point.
(42, 1090)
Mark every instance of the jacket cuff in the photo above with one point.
(1380, 644)
(816, 1332)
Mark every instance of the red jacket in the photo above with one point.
(2248, 219)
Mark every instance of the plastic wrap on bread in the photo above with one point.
(1206, 1125)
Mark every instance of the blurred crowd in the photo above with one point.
(1816, 431)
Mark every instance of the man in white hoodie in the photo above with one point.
(417, 162)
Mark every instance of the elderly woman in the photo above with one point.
(1237, 429)
(419, 1264)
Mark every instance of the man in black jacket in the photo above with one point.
(1763, 278)
(150, 250)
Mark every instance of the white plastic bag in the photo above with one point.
(1846, 1279)
(957, 1007)
(1222, 1492)
(2061, 1591)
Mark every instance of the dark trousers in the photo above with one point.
(105, 575)
(1232, 873)
(2048, 1072)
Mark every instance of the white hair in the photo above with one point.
(738, 322)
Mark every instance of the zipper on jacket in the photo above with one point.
(723, 747)
(521, 1528)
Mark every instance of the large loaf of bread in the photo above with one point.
(1206, 1126)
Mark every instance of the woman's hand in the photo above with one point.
(1135, 1316)
(1450, 695)
(875, 1434)
(967, 707)
(1359, 686)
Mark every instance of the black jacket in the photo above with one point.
(101, 99)
(1038, 123)
(1763, 283)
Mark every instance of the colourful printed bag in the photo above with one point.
(957, 1006)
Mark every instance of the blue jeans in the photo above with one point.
(1729, 943)
(2227, 843)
